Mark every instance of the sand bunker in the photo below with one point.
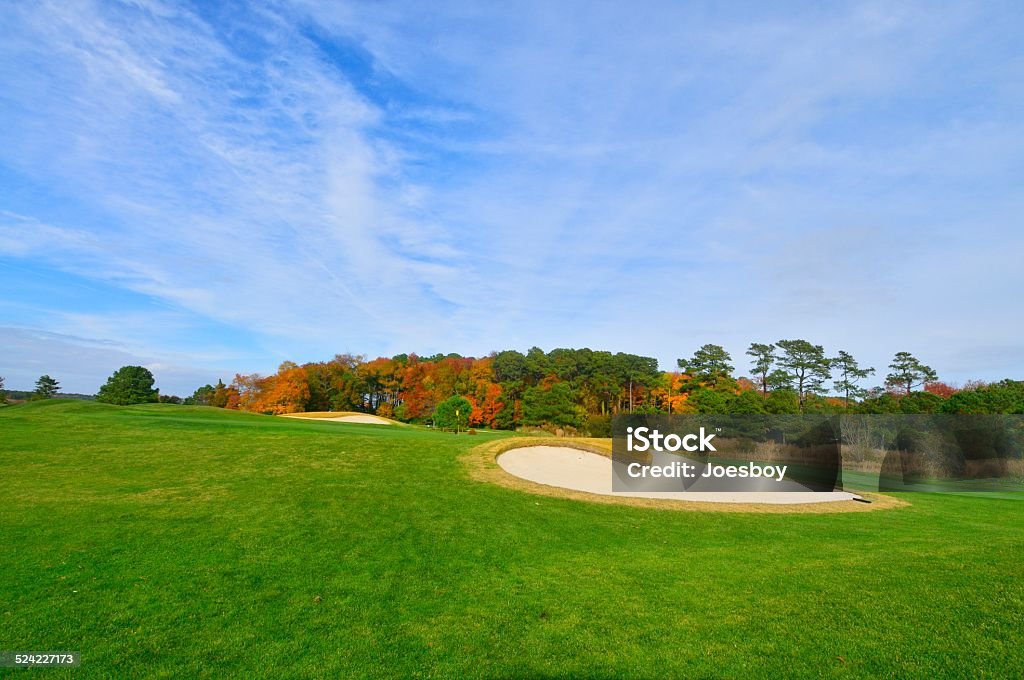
(579, 470)
(366, 419)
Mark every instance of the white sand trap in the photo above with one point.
(366, 419)
(569, 468)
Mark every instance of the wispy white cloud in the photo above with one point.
(489, 176)
(271, 179)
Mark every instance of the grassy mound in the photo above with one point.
(176, 541)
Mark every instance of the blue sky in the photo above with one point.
(213, 188)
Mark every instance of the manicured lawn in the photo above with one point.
(187, 542)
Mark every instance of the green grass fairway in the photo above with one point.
(181, 542)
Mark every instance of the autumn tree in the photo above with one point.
(250, 390)
(670, 394)
(908, 373)
(451, 375)
(417, 400)
(234, 399)
(286, 392)
(677, 395)
(220, 396)
(850, 375)
(763, 356)
(486, 394)
(806, 366)
(940, 389)
(128, 385)
(491, 405)
(46, 387)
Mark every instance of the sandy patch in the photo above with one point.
(586, 471)
(482, 465)
(365, 419)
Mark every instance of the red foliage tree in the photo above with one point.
(941, 389)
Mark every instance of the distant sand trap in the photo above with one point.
(579, 470)
(364, 419)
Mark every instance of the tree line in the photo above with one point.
(580, 389)
(128, 385)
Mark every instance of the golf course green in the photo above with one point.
(175, 541)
